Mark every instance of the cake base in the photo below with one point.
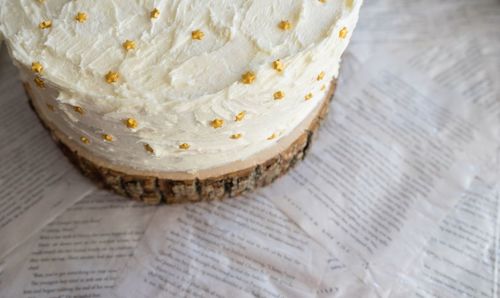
(155, 188)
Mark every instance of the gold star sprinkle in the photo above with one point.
(217, 123)
(343, 33)
(112, 77)
(85, 140)
(184, 146)
(37, 67)
(155, 13)
(285, 25)
(39, 82)
(131, 123)
(78, 110)
(349, 3)
(50, 107)
(308, 96)
(129, 45)
(197, 35)
(107, 137)
(81, 17)
(323, 87)
(278, 95)
(45, 24)
(278, 65)
(149, 149)
(239, 116)
(321, 76)
(236, 136)
(248, 78)
(322, 1)
(273, 136)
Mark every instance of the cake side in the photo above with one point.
(253, 86)
(216, 184)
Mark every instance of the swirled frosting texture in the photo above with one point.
(172, 85)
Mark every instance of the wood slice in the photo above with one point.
(155, 188)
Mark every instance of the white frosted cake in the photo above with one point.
(180, 100)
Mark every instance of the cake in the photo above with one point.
(188, 100)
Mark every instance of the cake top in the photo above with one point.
(161, 51)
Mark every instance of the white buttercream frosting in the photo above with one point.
(171, 84)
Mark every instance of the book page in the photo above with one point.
(465, 67)
(395, 25)
(463, 258)
(372, 189)
(242, 247)
(37, 183)
(81, 253)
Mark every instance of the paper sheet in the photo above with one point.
(36, 182)
(395, 25)
(395, 146)
(467, 64)
(80, 253)
(237, 248)
(465, 67)
(463, 258)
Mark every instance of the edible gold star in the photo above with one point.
(321, 76)
(323, 87)
(308, 96)
(85, 140)
(81, 17)
(131, 123)
(273, 136)
(343, 33)
(217, 123)
(184, 146)
(239, 116)
(285, 25)
(45, 24)
(78, 110)
(37, 67)
(197, 35)
(155, 13)
(129, 45)
(278, 65)
(39, 82)
(278, 95)
(107, 137)
(149, 149)
(112, 77)
(248, 78)
(236, 136)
